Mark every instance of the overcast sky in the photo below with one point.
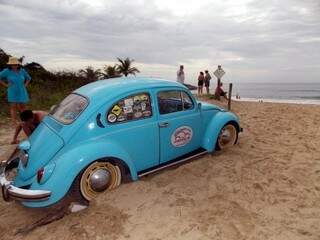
(253, 40)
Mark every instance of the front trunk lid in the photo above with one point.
(44, 144)
(208, 106)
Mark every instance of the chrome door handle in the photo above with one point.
(164, 124)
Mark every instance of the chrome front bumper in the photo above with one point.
(10, 192)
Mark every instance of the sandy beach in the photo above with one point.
(265, 187)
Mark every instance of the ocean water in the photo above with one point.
(305, 93)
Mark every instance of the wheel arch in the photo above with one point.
(214, 127)
(237, 126)
(124, 168)
(82, 156)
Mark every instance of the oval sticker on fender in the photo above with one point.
(181, 136)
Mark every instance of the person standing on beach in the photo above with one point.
(15, 79)
(200, 83)
(180, 75)
(207, 78)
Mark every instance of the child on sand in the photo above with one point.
(30, 120)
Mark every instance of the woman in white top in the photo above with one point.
(180, 75)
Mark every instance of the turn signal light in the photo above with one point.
(40, 174)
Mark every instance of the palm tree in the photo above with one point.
(111, 72)
(90, 74)
(125, 67)
(21, 59)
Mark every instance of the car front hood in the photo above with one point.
(208, 106)
(44, 144)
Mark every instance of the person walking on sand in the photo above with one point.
(180, 74)
(200, 83)
(16, 80)
(207, 78)
(29, 122)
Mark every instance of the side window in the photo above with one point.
(187, 101)
(133, 107)
(173, 101)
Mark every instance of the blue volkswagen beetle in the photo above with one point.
(111, 131)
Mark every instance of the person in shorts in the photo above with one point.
(207, 78)
(200, 83)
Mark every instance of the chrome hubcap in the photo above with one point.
(227, 136)
(99, 177)
(99, 180)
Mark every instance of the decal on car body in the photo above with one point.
(181, 136)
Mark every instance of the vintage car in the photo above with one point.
(112, 131)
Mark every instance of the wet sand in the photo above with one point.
(265, 187)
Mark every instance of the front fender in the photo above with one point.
(71, 162)
(214, 127)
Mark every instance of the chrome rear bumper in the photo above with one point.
(10, 192)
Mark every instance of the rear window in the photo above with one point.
(69, 109)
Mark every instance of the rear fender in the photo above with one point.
(214, 127)
(71, 162)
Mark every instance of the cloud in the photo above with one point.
(247, 37)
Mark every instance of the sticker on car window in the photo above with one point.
(137, 114)
(143, 106)
(128, 102)
(137, 108)
(127, 109)
(144, 97)
(181, 136)
(146, 113)
(116, 110)
(112, 117)
(136, 99)
(121, 118)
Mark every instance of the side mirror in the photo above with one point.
(199, 106)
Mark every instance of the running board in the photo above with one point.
(161, 167)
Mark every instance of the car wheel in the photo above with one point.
(227, 137)
(98, 178)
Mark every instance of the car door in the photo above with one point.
(132, 124)
(179, 124)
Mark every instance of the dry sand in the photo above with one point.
(265, 187)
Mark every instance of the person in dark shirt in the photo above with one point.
(219, 92)
(207, 78)
(29, 121)
(200, 83)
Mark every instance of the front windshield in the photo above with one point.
(69, 109)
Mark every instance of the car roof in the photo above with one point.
(103, 89)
